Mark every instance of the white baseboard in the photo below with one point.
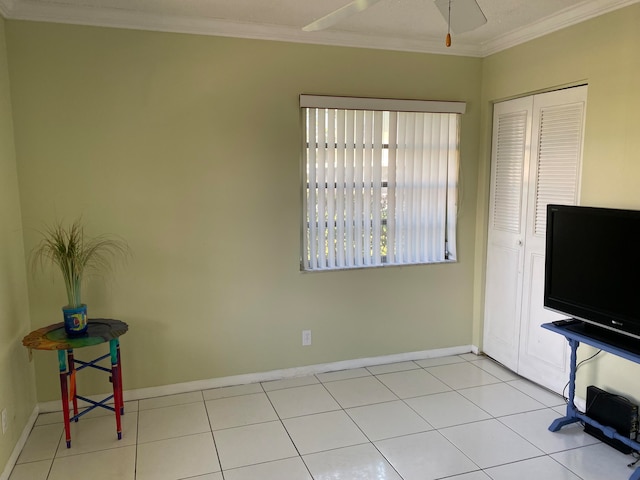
(20, 445)
(150, 392)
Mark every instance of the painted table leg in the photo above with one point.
(120, 379)
(72, 383)
(571, 416)
(65, 395)
(115, 378)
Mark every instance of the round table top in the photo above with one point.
(53, 337)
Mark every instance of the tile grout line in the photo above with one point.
(213, 437)
(286, 430)
(343, 409)
(362, 431)
(135, 457)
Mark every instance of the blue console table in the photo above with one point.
(575, 337)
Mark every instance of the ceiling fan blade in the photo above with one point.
(466, 15)
(334, 17)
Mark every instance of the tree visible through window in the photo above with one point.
(379, 182)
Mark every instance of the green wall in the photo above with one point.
(604, 53)
(17, 387)
(189, 147)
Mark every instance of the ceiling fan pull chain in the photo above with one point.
(447, 42)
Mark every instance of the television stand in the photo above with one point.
(575, 336)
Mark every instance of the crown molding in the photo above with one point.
(5, 7)
(565, 18)
(120, 18)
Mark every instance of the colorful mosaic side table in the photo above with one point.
(100, 330)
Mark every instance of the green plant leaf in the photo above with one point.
(73, 253)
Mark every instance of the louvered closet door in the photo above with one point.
(507, 212)
(535, 160)
(558, 119)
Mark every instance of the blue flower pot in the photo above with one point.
(75, 320)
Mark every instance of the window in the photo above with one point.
(379, 182)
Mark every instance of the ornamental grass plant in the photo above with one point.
(67, 247)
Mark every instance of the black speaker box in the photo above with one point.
(612, 411)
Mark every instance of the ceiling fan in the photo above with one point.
(461, 15)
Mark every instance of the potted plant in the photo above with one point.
(68, 248)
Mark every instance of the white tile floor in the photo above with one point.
(461, 418)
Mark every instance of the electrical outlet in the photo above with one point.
(306, 337)
(4, 420)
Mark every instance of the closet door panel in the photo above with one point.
(509, 177)
(558, 123)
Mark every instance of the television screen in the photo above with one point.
(592, 266)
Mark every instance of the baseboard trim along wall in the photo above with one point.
(20, 445)
(141, 393)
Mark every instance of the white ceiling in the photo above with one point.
(409, 25)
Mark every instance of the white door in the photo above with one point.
(551, 175)
(507, 210)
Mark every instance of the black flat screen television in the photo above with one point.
(592, 266)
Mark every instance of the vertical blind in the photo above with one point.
(380, 186)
